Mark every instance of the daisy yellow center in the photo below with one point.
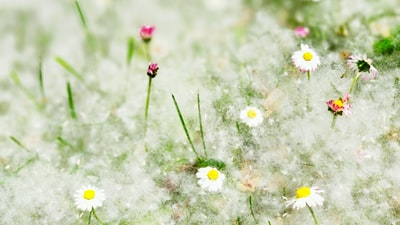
(303, 192)
(213, 174)
(307, 56)
(251, 114)
(89, 194)
(338, 103)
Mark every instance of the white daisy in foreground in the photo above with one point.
(89, 198)
(306, 196)
(210, 179)
(251, 116)
(306, 59)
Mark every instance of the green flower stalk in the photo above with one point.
(151, 72)
(146, 33)
(363, 68)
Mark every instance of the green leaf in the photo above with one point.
(129, 52)
(68, 67)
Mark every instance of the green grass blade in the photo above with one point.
(129, 53)
(41, 82)
(17, 81)
(184, 126)
(68, 67)
(201, 125)
(71, 101)
(81, 15)
(64, 142)
(251, 208)
(16, 141)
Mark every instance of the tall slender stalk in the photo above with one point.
(90, 217)
(308, 74)
(313, 215)
(354, 82)
(96, 217)
(333, 121)
(146, 110)
(184, 126)
(201, 125)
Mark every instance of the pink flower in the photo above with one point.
(146, 33)
(152, 70)
(301, 32)
(338, 106)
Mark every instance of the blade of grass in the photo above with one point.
(129, 53)
(16, 141)
(68, 67)
(41, 82)
(184, 126)
(201, 125)
(29, 161)
(71, 101)
(17, 81)
(251, 208)
(64, 142)
(90, 37)
(81, 15)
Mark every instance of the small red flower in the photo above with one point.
(146, 33)
(152, 70)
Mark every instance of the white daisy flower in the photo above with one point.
(306, 59)
(362, 65)
(210, 179)
(89, 197)
(306, 196)
(251, 116)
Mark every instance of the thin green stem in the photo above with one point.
(269, 222)
(129, 52)
(147, 51)
(71, 101)
(146, 110)
(333, 121)
(251, 208)
(90, 216)
(201, 125)
(312, 214)
(354, 82)
(96, 217)
(184, 126)
(308, 74)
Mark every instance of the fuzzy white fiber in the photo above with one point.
(232, 54)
